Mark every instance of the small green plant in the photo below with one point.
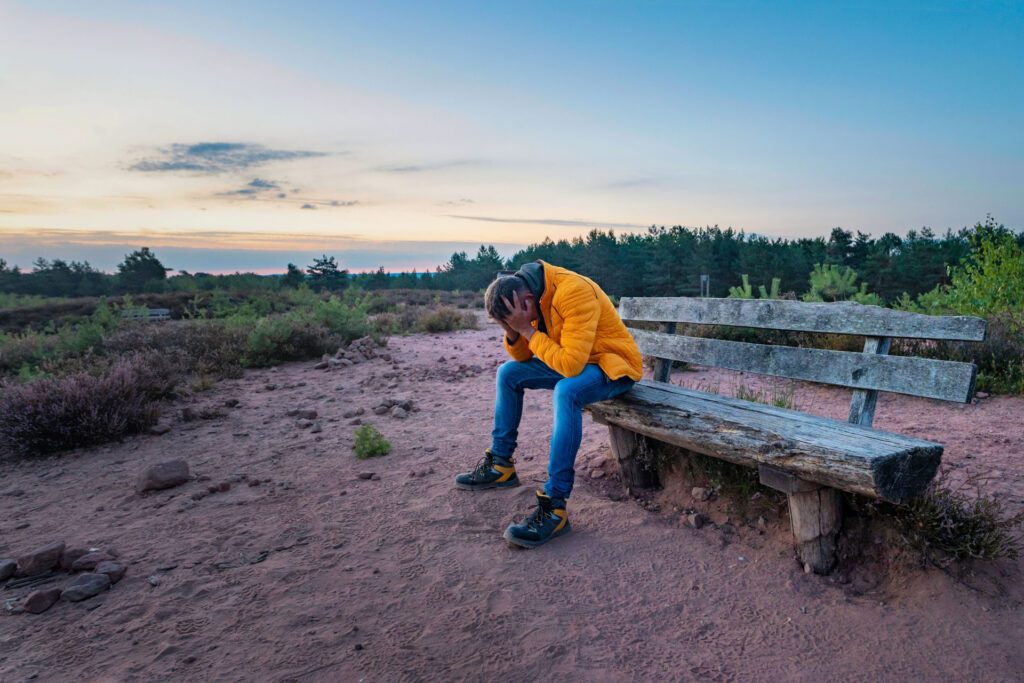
(370, 443)
(747, 292)
(832, 283)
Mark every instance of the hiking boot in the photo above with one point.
(547, 521)
(492, 472)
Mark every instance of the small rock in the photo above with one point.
(254, 482)
(86, 586)
(359, 646)
(7, 569)
(41, 559)
(224, 486)
(270, 387)
(293, 412)
(316, 428)
(189, 414)
(356, 421)
(307, 414)
(375, 477)
(429, 449)
(399, 412)
(231, 403)
(322, 365)
(38, 602)
(366, 475)
(115, 571)
(89, 561)
(349, 414)
(154, 581)
(700, 493)
(596, 473)
(163, 476)
(696, 520)
(15, 493)
(159, 429)
(380, 410)
(981, 394)
(303, 423)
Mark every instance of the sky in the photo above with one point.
(243, 136)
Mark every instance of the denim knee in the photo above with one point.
(564, 394)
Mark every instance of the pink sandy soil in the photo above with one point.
(417, 574)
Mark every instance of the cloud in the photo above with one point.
(551, 221)
(352, 202)
(217, 157)
(257, 186)
(457, 202)
(437, 166)
(309, 206)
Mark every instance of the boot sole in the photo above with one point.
(492, 485)
(524, 543)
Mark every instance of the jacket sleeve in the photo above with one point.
(579, 330)
(519, 351)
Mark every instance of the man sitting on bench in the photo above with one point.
(564, 334)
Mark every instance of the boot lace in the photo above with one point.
(536, 520)
(484, 466)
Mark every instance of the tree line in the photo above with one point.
(657, 262)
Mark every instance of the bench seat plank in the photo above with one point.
(841, 317)
(927, 377)
(846, 456)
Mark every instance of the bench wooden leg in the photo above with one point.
(816, 516)
(633, 454)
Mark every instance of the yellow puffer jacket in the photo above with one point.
(582, 327)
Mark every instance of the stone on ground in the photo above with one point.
(38, 602)
(86, 586)
(7, 569)
(163, 475)
(40, 560)
(115, 571)
(89, 561)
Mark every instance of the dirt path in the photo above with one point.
(406, 578)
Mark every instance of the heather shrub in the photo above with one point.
(52, 414)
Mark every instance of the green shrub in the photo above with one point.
(446, 319)
(370, 443)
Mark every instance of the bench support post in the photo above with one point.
(632, 452)
(815, 517)
(815, 514)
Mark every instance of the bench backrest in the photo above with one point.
(867, 373)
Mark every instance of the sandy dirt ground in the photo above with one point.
(316, 574)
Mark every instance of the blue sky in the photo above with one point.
(374, 128)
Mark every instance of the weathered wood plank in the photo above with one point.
(862, 405)
(843, 317)
(947, 380)
(833, 453)
(663, 366)
(631, 455)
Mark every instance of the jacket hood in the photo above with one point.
(533, 273)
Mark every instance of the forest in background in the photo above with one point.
(658, 262)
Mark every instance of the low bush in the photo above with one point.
(446, 319)
(953, 523)
(370, 443)
(51, 414)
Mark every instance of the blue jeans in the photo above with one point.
(570, 395)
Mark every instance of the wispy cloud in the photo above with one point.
(436, 166)
(254, 188)
(551, 221)
(217, 157)
(309, 206)
(456, 202)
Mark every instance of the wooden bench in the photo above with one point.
(806, 456)
(147, 313)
